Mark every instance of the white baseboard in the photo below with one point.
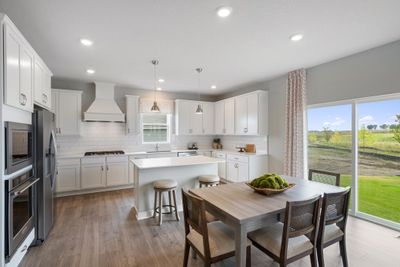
(96, 190)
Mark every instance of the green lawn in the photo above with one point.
(378, 195)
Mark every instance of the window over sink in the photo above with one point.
(156, 128)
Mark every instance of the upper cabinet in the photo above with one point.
(187, 122)
(42, 84)
(68, 109)
(132, 114)
(21, 75)
(18, 69)
(251, 113)
(225, 117)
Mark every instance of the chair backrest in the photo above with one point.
(324, 177)
(301, 218)
(194, 212)
(335, 209)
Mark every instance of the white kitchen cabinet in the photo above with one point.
(93, 172)
(117, 170)
(187, 122)
(245, 167)
(132, 114)
(42, 84)
(18, 69)
(68, 110)
(221, 165)
(68, 176)
(251, 116)
(225, 117)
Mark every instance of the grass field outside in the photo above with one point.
(378, 167)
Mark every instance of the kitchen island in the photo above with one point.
(184, 170)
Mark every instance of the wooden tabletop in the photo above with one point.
(242, 204)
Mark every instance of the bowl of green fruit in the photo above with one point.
(269, 184)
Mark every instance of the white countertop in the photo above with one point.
(173, 162)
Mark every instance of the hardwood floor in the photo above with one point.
(100, 230)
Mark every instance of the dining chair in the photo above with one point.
(325, 177)
(213, 241)
(296, 237)
(332, 226)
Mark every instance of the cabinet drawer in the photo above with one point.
(93, 160)
(117, 159)
(239, 158)
(220, 155)
(67, 162)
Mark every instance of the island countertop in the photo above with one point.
(174, 162)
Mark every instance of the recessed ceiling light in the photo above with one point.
(213, 87)
(159, 89)
(86, 42)
(161, 80)
(296, 37)
(90, 71)
(224, 11)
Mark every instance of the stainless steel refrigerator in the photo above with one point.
(45, 149)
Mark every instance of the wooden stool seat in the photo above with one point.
(208, 180)
(161, 186)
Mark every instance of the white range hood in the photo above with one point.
(104, 107)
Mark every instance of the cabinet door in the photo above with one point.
(241, 115)
(132, 115)
(68, 113)
(219, 118)
(26, 79)
(38, 82)
(46, 93)
(182, 125)
(252, 114)
(12, 91)
(232, 171)
(243, 172)
(117, 173)
(195, 120)
(208, 118)
(68, 178)
(93, 176)
(229, 116)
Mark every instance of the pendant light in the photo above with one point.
(199, 109)
(155, 107)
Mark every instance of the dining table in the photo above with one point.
(244, 210)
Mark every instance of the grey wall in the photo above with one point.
(120, 92)
(371, 73)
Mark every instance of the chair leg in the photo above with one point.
(176, 205)
(248, 256)
(313, 259)
(343, 252)
(186, 256)
(160, 208)
(170, 202)
(155, 203)
(320, 254)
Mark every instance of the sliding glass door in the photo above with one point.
(360, 140)
(379, 159)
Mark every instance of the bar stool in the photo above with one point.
(161, 186)
(208, 180)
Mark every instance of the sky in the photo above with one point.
(338, 118)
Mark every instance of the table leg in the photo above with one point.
(240, 245)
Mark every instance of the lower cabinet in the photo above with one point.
(117, 170)
(93, 173)
(69, 175)
(237, 171)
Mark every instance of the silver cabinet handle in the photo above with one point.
(44, 98)
(107, 168)
(59, 130)
(24, 99)
(24, 248)
(102, 168)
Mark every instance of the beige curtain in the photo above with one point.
(295, 109)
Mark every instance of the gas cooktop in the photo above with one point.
(101, 153)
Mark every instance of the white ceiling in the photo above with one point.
(249, 46)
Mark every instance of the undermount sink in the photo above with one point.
(158, 151)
